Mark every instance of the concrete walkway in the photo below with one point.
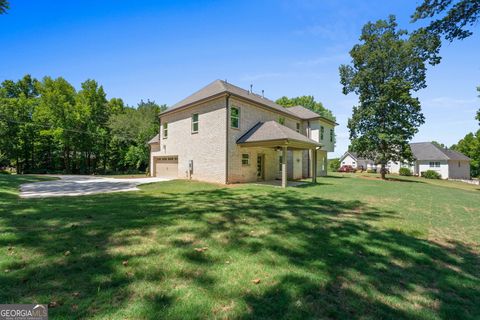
(71, 185)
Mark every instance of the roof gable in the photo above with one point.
(272, 130)
(429, 151)
(219, 87)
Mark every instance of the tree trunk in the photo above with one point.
(382, 171)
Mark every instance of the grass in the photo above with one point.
(349, 247)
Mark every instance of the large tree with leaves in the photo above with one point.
(450, 18)
(3, 6)
(308, 102)
(386, 67)
(470, 146)
(478, 112)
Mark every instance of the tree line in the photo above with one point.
(47, 126)
(388, 66)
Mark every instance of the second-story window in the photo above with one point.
(322, 131)
(298, 127)
(332, 135)
(281, 120)
(234, 117)
(195, 123)
(165, 130)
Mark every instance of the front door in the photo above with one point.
(261, 167)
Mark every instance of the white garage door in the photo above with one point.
(166, 166)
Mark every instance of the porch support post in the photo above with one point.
(284, 167)
(314, 165)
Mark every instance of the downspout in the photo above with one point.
(309, 152)
(227, 107)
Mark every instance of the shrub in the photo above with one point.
(430, 174)
(405, 172)
(372, 171)
(4, 172)
(334, 164)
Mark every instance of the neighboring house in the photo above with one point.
(450, 164)
(226, 134)
(352, 159)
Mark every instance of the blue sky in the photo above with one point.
(165, 50)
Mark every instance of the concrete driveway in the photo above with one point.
(71, 185)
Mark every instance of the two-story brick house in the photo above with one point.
(226, 134)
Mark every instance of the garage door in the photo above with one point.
(166, 166)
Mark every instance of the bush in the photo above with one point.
(4, 172)
(372, 171)
(430, 174)
(334, 164)
(405, 172)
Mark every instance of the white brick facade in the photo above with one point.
(214, 150)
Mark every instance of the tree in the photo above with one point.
(478, 112)
(3, 6)
(17, 131)
(470, 146)
(132, 129)
(387, 66)
(440, 145)
(458, 16)
(307, 102)
(334, 164)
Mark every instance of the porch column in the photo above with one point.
(314, 165)
(284, 167)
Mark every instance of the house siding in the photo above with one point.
(206, 148)
(424, 165)
(459, 169)
(250, 115)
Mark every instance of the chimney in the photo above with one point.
(263, 93)
(251, 88)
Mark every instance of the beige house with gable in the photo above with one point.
(226, 134)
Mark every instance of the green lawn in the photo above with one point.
(349, 247)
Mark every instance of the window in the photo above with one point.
(234, 117)
(245, 159)
(281, 120)
(280, 161)
(165, 130)
(298, 127)
(434, 164)
(195, 123)
(437, 164)
(459, 164)
(322, 130)
(332, 135)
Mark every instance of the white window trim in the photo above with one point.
(247, 158)
(197, 122)
(165, 129)
(238, 117)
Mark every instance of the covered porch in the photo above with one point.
(273, 135)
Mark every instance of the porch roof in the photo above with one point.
(272, 134)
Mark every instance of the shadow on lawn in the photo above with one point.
(350, 268)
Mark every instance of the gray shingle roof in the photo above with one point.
(307, 114)
(429, 151)
(155, 139)
(355, 156)
(272, 130)
(218, 87)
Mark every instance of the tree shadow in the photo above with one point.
(328, 259)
